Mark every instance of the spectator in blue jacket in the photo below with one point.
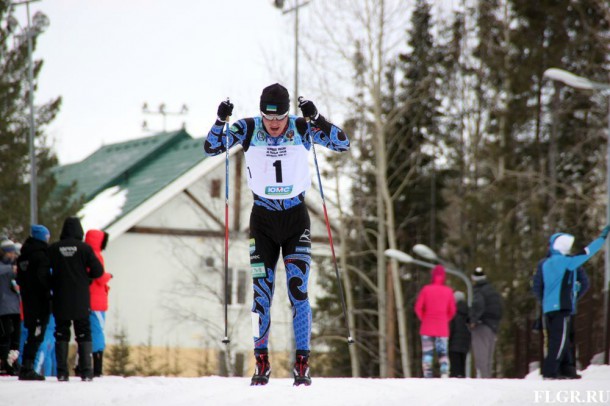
(556, 286)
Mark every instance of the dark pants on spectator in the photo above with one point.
(483, 347)
(457, 364)
(558, 345)
(82, 330)
(36, 331)
(10, 337)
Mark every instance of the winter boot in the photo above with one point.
(85, 360)
(61, 355)
(301, 369)
(262, 369)
(98, 358)
(28, 373)
(570, 372)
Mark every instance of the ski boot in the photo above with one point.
(301, 369)
(262, 369)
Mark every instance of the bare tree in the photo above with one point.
(377, 25)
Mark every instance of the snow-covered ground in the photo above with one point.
(594, 388)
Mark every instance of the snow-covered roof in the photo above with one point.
(120, 178)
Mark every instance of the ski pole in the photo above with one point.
(226, 338)
(350, 340)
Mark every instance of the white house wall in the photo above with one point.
(154, 275)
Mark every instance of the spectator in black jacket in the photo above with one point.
(459, 338)
(73, 265)
(33, 277)
(485, 316)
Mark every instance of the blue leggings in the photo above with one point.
(270, 232)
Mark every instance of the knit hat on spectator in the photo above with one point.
(478, 274)
(275, 100)
(8, 246)
(459, 296)
(40, 232)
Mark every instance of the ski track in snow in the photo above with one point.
(162, 391)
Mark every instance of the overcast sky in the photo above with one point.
(106, 58)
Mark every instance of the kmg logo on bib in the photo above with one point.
(278, 190)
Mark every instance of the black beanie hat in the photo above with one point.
(478, 274)
(275, 99)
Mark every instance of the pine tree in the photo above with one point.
(119, 355)
(54, 205)
(146, 365)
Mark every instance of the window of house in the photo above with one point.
(238, 364)
(238, 279)
(215, 188)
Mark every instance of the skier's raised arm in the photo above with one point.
(324, 132)
(215, 142)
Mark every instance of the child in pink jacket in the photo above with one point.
(435, 307)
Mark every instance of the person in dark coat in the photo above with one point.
(459, 338)
(33, 278)
(74, 265)
(485, 316)
(10, 316)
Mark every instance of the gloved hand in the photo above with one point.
(605, 232)
(14, 287)
(308, 109)
(225, 109)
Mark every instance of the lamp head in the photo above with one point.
(398, 255)
(573, 80)
(425, 252)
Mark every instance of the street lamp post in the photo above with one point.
(163, 112)
(580, 82)
(280, 5)
(32, 119)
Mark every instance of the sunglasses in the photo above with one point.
(272, 117)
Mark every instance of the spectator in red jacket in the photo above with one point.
(435, 307)
(98, 291)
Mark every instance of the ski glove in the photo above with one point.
(225, 109)
(308, 109)
(605, 232)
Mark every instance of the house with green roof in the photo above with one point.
(162, 202)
